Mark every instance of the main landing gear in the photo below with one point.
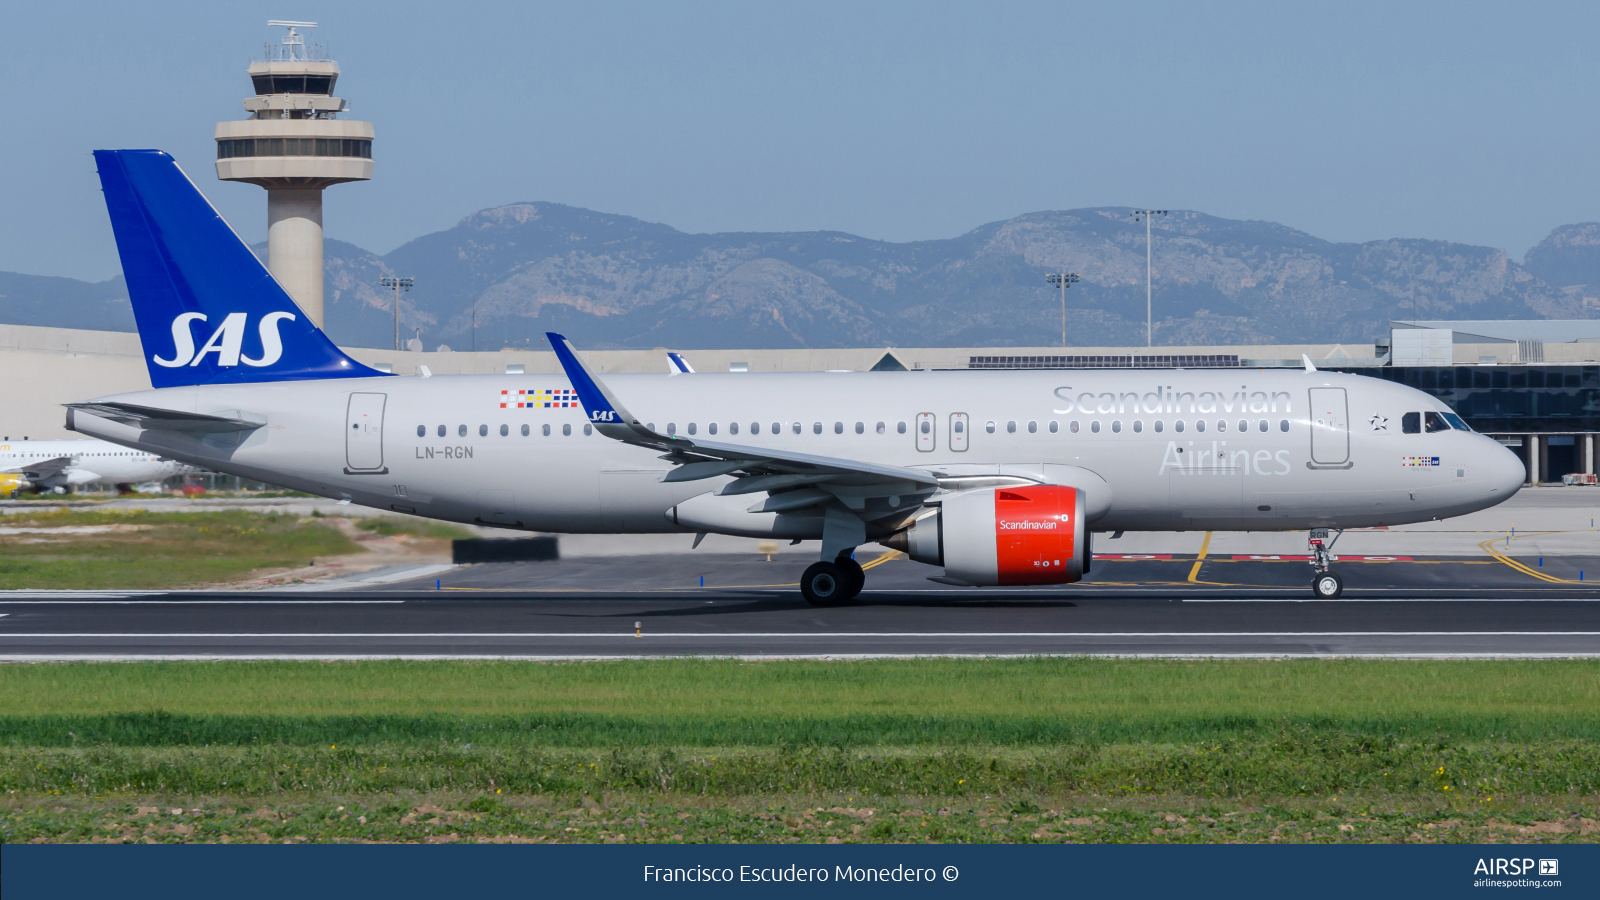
(1325, 583)
(832, 583)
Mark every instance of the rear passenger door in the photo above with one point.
(363, 434)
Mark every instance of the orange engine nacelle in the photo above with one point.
(1000, 536)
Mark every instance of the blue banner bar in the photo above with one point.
(1196, 871)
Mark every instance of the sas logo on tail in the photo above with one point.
(227, 342)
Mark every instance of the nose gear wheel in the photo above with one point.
(1325, 584)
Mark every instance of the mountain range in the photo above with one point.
(611, 281)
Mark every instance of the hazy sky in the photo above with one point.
(902, 121)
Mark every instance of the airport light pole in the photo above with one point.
(398, 284)
(1065, 280)
(1143, 215)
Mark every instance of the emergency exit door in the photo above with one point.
(925, 435)
(1330, 427)
(363, 435)
(958, 431)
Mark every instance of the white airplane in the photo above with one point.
(1000, 477)
(61, 465)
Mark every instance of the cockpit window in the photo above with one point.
(1411, 423)
(1456, 422)
(1434, 422)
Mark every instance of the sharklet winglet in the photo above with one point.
(603, 409)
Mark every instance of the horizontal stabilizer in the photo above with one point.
(154, 419)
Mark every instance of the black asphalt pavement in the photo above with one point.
(656, 606)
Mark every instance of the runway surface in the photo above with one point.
(656, 606)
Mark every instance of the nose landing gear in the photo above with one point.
(1325, 583)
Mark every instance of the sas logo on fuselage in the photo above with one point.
(227, 342)
(1408, 461)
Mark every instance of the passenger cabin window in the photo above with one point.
(901, 428)
(1262, 426)
(1199, 424)
(816, 427)
(422, 431)
(1283, 425)
(547, 431)
(461, 431)
(1411, 423)
(989, 427)
(505, 430)
(1138, 426)
(710, 429)
(1178, 426)
(861, 428)
(566, 430)
(797, 428)
(588, 429)
(1116, 426)
(524, 431)
(1054, 426)
(441, 431)
(882, 428)
(483, 431)
(838, 428)
(691, 428)
(1011, 428)
(1095, 426)
(1033, 427)
(1073, 427)
(1159, 426)
(1433, 422)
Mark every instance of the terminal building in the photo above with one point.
(1533, 384)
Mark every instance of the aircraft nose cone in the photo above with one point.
(1505, 472)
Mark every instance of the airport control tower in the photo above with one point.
(294, 145)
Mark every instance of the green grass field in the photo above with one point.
(731, 702)
(691, 750)
(157, 550)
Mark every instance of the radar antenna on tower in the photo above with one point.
(293, 46)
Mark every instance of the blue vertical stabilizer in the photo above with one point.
(208, 311)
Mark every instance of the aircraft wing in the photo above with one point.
(40, 469)
(755, 469)
(154, 418)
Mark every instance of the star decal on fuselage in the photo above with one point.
(1379, 422)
